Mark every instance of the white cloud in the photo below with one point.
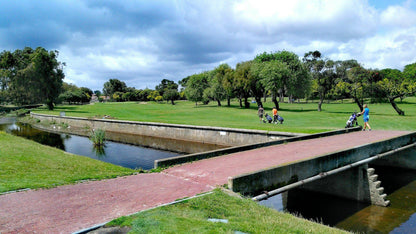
(398, 16)
(144, 42)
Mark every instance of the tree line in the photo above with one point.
(284, 74)
(31, 76)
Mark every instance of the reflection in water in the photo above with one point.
(99, 150)
(399, 217)
(400, 187)
(125, 155)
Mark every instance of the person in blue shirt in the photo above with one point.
(366, 117)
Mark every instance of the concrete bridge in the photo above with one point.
(339, 160)
(345, 173)
(334, 163)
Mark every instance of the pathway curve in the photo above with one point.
(71, 208)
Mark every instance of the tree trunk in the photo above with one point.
(228, 101)
(246, 103)
(274, 100)
(321, 100)
(172, 101)
(50, 104)
(396, 108)
(219, 102)
(360, 105)
(258, 100)
(241, 102)
(276, 103)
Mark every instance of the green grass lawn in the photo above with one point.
(301, 118)
(243, 215)
(27, 164)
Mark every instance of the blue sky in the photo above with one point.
(143, 42)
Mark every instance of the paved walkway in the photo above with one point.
(71, 208)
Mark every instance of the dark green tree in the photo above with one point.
(112, 86)
(34, 76)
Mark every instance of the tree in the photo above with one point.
(195, 87)
(358, 78)
(168, 89)
(242, 82)
(171, 94)
(112, 86)
(323, 73)
(273, 75)
(221, 83)
(287, 76)
(97, 93)
(409, 72)
(32, 76)
(393, 85)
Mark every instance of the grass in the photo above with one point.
(300, 118)
(27, 164)
(243, 215)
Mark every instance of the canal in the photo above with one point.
(141, 152)
(399, 217)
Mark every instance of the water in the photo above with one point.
(125, 155)
(399, 217)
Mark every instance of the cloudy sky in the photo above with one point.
(143, 42)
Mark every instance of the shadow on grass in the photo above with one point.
(255, 107)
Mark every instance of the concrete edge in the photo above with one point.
(286, 134)
(259, 174)
(210, 154)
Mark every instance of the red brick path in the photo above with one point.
(71, 208)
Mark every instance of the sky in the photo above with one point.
(143, 42)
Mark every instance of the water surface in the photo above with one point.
(126, 155)
(399, 217)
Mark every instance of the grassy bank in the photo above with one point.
(27, 164)
(231, 213)
(299, 117)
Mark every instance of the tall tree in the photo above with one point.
(195, 87)
(323, 73)
(112, 86)
(273, 75)
(359, 79)
(35, 76)
(217, 80)
(287, 76)
(242, 82)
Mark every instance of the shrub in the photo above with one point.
(98, 137)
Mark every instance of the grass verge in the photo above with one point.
(228, 214)
(27, 164)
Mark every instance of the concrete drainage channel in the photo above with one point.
(203, 134)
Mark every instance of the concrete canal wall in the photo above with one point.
(202, 134)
